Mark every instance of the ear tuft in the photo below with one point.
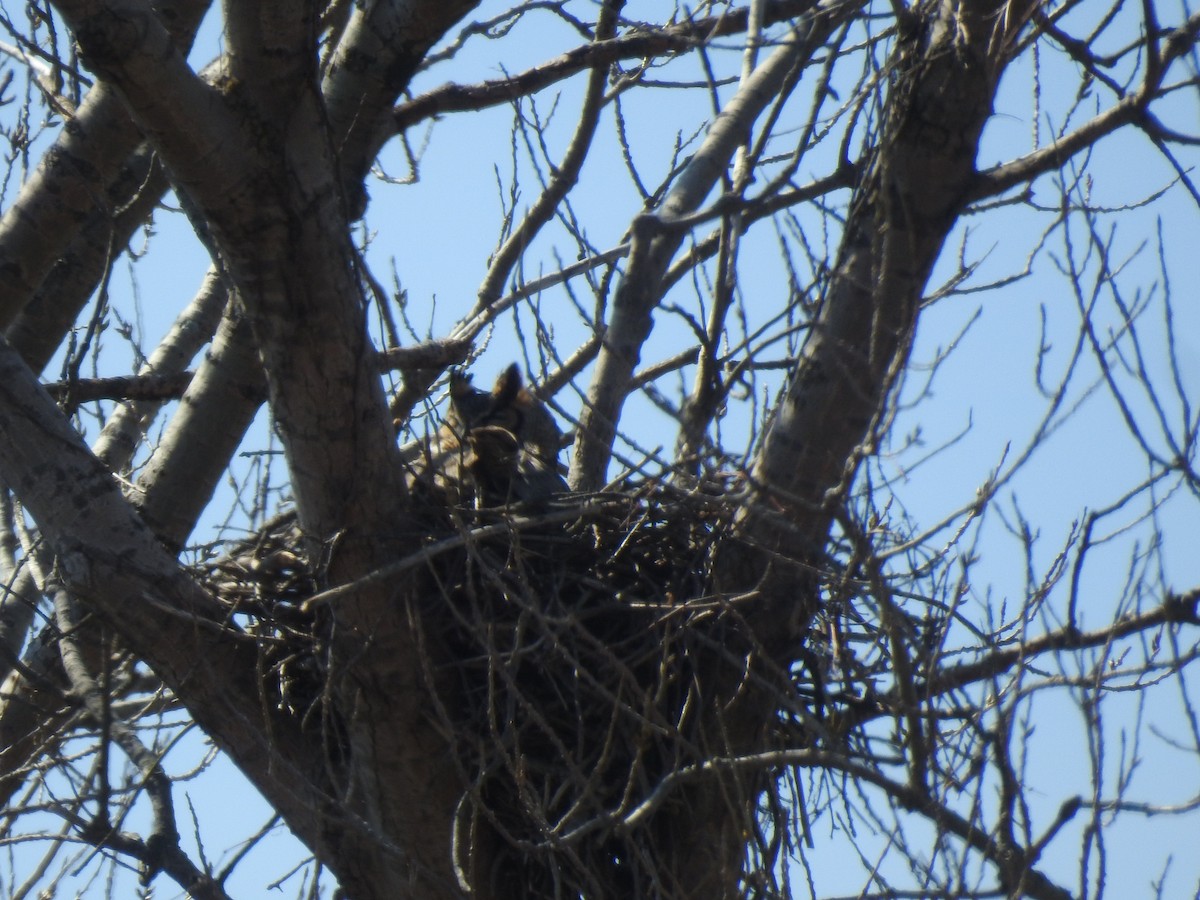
(508, 386)
(460, 384)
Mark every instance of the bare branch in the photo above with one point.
(656, 239)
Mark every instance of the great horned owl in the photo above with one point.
(497, 448)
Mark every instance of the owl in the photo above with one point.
(496, 447)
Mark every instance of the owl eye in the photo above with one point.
(499, 446)
(510, 418)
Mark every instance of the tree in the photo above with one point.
(663, 680)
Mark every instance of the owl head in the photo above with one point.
(509, 438)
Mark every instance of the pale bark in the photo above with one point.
(657, 238)
(54, 307)
(126, 427)
(109, 558)
(909, 196)
(257, 164)
(60, 200)
(214, 413)
(378, 52)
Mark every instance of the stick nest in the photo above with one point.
(563, 647)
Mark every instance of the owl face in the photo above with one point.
(508, 406)
(501, 446)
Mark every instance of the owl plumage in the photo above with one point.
(495, 447)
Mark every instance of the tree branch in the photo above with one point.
(657, 237)
(907, 200)
(61, 196)
(600, 54)
(124, 42)
(378, 52)
(109, 559)
(152, 386)
(1129, 108)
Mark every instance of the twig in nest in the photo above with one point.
(427, 553)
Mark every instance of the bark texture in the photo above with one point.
(909, 194)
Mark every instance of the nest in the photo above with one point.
(569, 640)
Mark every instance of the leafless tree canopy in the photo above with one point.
(832, 534)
